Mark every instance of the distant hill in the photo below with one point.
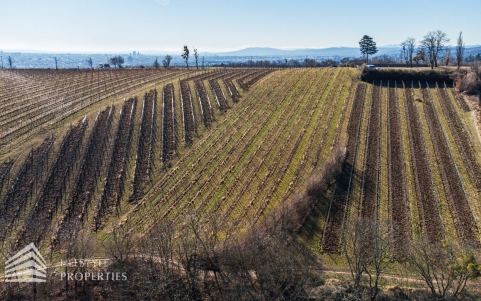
(264, 52)
(267, 51)
(322, 52)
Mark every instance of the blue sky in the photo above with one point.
(218, 25)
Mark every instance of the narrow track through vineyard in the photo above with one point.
(190, 126)
(397, 185)
(371, 164)
(169, 139)
(340, 200)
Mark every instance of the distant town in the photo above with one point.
(255, 56)
(133, 59)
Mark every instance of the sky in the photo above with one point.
(101, 26)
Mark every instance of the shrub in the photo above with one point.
(406, 75)
(466, 83)
(289, 217)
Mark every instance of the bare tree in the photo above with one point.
(293, 63)
(409, 44)
(444, 267)
(441, 39)
(404, 53)
(305, 61)
(156, 63)
(447, 57)
(475, 66)
(117, 61)
(56, 66)
(166, 61)
(434, 43)
(428, 45)
(160, 247)
(121, 247)
(460, 50)
(203, 62)
(420, 56)
(366, 248)
(90, 62)
(354, 250)
(10, 61)
(345, 61)
(185, 56)
(83, 248)
(1, 58)
(196, 56)
(380, 255)
(69, 239)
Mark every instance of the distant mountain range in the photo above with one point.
(323, 52)
(334, 52)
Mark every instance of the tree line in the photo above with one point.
(432, 49)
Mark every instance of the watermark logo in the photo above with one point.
(28, 265)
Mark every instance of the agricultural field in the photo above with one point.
(413, 163)
(99, 150)
(78, 147)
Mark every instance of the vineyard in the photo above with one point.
(412, 163)
(32, 100)
(94, 150)
(89, 169)
(258, 153)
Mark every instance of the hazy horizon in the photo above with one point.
(164, 52)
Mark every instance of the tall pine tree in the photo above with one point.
(367, 46)
(185, 56)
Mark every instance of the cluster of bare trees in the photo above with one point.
(116, 61)
(186, 54)
(444, 267)
(432, 49)
(166, 61)
(193, 259)
(284, 63)
(9, 60)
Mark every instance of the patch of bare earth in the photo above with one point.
(473, 103)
